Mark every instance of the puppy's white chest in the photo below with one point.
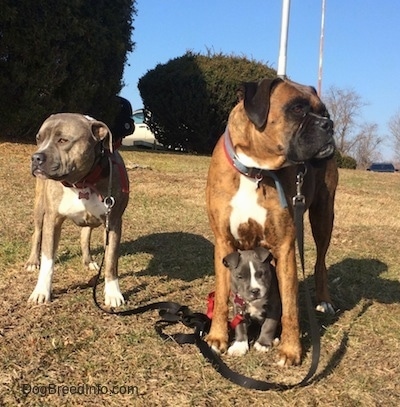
(255, 312)
(82, 206)
(245, 206)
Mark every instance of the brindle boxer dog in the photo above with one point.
(277, 129)
(73, 166)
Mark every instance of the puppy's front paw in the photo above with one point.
(238, 348)
(112, 294)
(262, 348)
(266, 346)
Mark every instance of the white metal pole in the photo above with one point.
(284, 39)
(321, 49)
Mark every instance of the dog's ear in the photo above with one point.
(231, 260)
(263, 254)
(102, 133)
(256, 99)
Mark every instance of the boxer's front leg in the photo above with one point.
(290, 347)
(218, 335)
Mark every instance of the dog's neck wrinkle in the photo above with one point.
(99, 170)
(248, 156)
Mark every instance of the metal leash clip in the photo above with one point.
(299, 198)
(109, 202)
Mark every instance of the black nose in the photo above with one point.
(38, 158)
(324, 123)
(255, 291)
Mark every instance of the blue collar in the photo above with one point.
(257, 173)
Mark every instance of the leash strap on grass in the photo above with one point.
(172, 313)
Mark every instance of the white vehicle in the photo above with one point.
(142, 136)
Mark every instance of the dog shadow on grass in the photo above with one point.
(176, 255)
(353, 283)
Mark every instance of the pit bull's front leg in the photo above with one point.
(50, 238)
(112, 292)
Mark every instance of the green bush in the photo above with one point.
(345, 161)
(190, 97)
(60, 56)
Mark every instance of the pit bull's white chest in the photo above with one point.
(245, 206)
(82, 206)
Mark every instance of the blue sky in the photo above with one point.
(361, 44)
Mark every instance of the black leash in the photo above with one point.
(172, 313)
(201, 323)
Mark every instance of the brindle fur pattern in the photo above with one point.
(265, 137)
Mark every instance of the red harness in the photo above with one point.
(238, 318)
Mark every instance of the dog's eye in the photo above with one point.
(300, 109)
(261, 274)
(62, 140)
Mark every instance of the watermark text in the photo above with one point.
(80, 389)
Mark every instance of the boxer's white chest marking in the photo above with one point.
(244, 205)
(81, 205)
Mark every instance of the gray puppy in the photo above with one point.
(256, 297)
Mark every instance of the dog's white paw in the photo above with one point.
(112, 294)
(42, 291)
(238, 348)
(261, 348)
(39, 296)
(93, 266)
(32, 266)
(325, 307)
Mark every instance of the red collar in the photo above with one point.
(100, 171)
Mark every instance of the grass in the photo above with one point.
(166, 254)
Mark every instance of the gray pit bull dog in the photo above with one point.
(256, 297)
(81, 178)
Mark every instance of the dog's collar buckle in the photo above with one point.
(258, 179)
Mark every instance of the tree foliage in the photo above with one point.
(353, 139)
(365, 150)
(394, 128)
(65, 55)
(190, 97)
(344, 106)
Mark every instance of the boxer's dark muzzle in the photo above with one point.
(313, 139)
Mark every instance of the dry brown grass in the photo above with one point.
(167, 255)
